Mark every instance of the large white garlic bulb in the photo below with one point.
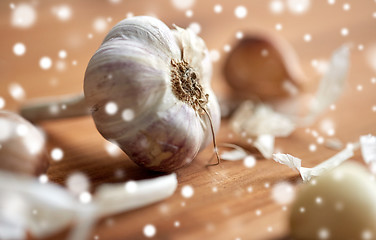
(149, 90)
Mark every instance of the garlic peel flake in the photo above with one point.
(368, 148)
(308, 173)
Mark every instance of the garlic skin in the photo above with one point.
(22, 146)
(144, 68)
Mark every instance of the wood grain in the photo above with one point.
(230, 212)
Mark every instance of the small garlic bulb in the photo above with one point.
(22, 146)
(149, 90)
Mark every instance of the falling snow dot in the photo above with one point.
(45, 63)
(331, 2)
(374, 108)
(318, 200)
(111, 108)
(320, 140)
(278, 27)
(115, 1)
(149, 230)
(112, 149)
(346, 7)
(283, 193)
(63, 12)
(57, 154)
(214, 55)
(270, 229)
(131, 186)
(239, 35)
(374, 15)
(19, 49)
(22, 130)
(62, 54)
(227, 48)
(187, 191)
(333, 107)
(183, 4)
(43, 178)
(241, 12)
(302, 209)
(77, 183)
(189, 13)
(100, 24)
(367, 235)
(85, 197)
(359, 87)
(323, 233)
(298, 6)
(17, 91)
(249, 161)
(218, 8)
(12, 5)
(215, 189)
(23, 16)
(312, 147)
(195, 27)
(267, 185)
(373, 80)
(360, 47)
(258, 212)
(249, 189)
(276, 6)
(344, 32)
(307, 37)
(2, 103)
(176, 224)
(127, 115)
(264, 52)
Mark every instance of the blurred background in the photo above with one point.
(45, 47)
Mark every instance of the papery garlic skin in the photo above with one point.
(133, 69)
(22, 146)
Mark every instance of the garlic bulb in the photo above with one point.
(149, 90)
(22, 146)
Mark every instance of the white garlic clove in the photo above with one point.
(340, 204)
(162, 77)
(22, 146)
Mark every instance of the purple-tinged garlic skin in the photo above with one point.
(22, 146)
(133, 69)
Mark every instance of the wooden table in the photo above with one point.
(229, 212)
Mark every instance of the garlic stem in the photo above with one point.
(55, 108)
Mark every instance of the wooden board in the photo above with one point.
(232, 211)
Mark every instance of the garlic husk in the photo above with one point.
(133, 69)
(22, 146)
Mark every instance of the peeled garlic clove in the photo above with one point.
(340, 204)
(147, 86)
(263, 66)
(21, 146)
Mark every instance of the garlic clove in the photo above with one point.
(22, 146)
(163, 77)
(340, 204)
(263, 66)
